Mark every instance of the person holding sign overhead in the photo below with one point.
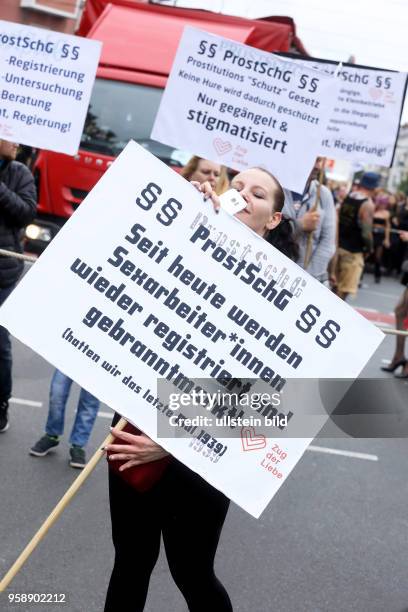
(173, 501)
(314, 214)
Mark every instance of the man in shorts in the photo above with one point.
(355, 235)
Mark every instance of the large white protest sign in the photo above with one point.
(244, 107)
(166, 288)
(46, 82)
(364, 121)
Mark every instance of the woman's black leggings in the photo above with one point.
(190, 514)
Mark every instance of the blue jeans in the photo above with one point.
(85, 416)
(5, 353)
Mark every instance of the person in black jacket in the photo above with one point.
(17, 209)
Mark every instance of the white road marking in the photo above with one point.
(343, 453)
(380, 294)
(367, 309)
(24, 402)
(318, 449)
(386, 361)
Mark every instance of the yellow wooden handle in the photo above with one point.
(59, 508)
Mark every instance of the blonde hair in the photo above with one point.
(192, 165)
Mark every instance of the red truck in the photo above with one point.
(139, 44)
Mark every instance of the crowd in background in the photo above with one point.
(390, 217)
(333, 230)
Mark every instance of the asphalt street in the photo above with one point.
(334, 538)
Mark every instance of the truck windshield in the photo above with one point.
(121, 111)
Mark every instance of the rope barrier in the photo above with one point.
(29, 258)
(393, 332)
(32, 259)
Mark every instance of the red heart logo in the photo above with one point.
(251, 441)
(375, 94)
(222, 146)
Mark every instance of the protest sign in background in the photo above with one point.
(243, 107)
(166, 288)
(46, 82)
(363, 124)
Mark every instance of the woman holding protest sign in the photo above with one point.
(202, 170)
(153, 494)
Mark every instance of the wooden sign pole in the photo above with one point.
(59, 508)
(309, 244)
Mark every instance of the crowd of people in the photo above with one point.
(333, 233)
(390, 217)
